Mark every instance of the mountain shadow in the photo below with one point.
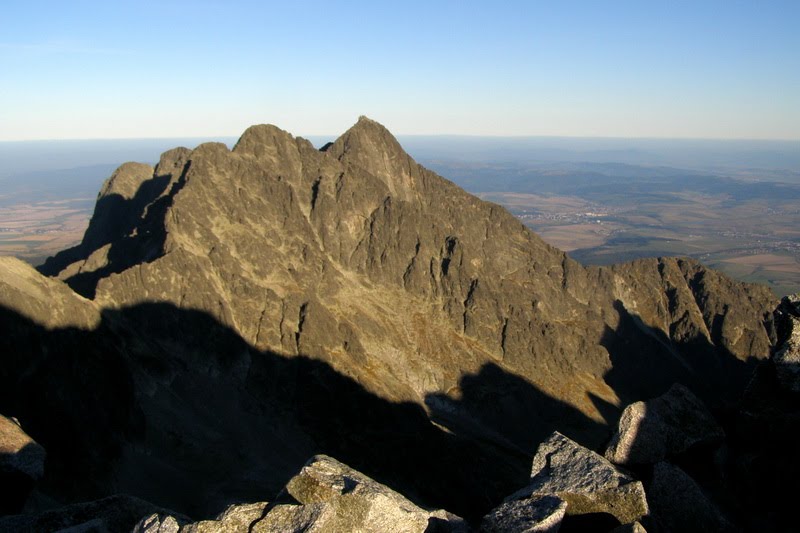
(509, 411)
(15, 484)
(171, 406)
(646, 363)
(645, 366)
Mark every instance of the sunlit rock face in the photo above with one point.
(673, 423)
(587, 482)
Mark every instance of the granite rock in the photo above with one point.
(343, 499)
(533, 515)
(648, 432)
(585, 480)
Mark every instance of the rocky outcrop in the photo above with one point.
(238, 518)
(585, 480)
(671, 424)
(158, 523)
(345, 500)
(46, 301)
(325, 496)
(692, 330)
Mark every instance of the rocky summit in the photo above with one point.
(231, 313)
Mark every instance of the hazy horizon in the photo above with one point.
(775, 158)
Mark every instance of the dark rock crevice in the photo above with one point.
(641, 368)
(138, 236)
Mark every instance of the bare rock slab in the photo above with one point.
(540, 514)
(585, 480)
(649, 432)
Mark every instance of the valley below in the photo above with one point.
(36, 230)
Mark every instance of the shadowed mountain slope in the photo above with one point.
(356, 263)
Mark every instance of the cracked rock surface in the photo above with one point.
(585, 480)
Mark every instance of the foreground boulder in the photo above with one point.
(334, 497)
(648, 432)
(325, 496)
(21, 465)
(585, 480)
(540, 514)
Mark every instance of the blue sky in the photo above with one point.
(663, 68)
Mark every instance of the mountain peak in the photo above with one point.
(261, 139)
(126, 180)
(369, 145)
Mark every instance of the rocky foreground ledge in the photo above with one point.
(568, 483)
(669, 466)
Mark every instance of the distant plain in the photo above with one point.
(734, 205)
